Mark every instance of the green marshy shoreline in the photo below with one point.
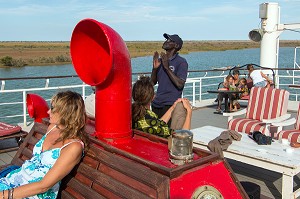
(32, 53)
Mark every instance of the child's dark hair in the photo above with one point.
(243, 80)
(250, 67)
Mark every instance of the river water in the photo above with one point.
(196, 61)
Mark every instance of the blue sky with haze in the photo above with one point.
(135, 20)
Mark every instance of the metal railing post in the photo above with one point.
(200, 89)
(47, 83)
(2, 85)
(83, 91)
(194, 93)
(24, 109)
(278, 83)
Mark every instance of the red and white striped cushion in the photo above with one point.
(264, 103)
(247, 125)
(293, 135)
(7, 129)
(297, 124)
(267, 103)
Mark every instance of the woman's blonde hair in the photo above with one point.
(70, 107)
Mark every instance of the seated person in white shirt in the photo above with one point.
(258, 77)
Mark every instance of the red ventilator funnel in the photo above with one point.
(101, 58)
(37, 107)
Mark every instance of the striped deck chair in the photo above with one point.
(265, 105)
(293, 135)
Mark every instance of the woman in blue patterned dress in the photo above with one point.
(55, 155)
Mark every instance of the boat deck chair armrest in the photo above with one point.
(284, 123)
(277, 119)
(232, 114)
(269, 122)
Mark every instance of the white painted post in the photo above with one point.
(24, 109)
(200, 89)
(269, 14)
(287, 187)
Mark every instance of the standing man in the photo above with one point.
(170, 72)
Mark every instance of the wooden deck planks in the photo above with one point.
(5, 158)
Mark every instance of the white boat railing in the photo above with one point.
(195, 89)
(296, 65)
(5, 113)
(15, 99)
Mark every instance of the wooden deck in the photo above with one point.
(5, 158)
(270, 182)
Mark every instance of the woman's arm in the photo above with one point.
(69, 157)
(225, 86)
(266, 77)
(166, 117)
(188, 118)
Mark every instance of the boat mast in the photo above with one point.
(269, 33)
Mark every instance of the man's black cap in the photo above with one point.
(174, 38)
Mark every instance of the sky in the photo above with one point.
(140, 20)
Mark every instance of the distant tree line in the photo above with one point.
(11, 62)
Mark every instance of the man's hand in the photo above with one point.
(156, 61)
(165, 60)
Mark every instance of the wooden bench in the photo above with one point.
(99, 175)
(108, 172)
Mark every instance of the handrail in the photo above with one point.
(195, 89)
(296, 65)
(147, 73)
(24, 92)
